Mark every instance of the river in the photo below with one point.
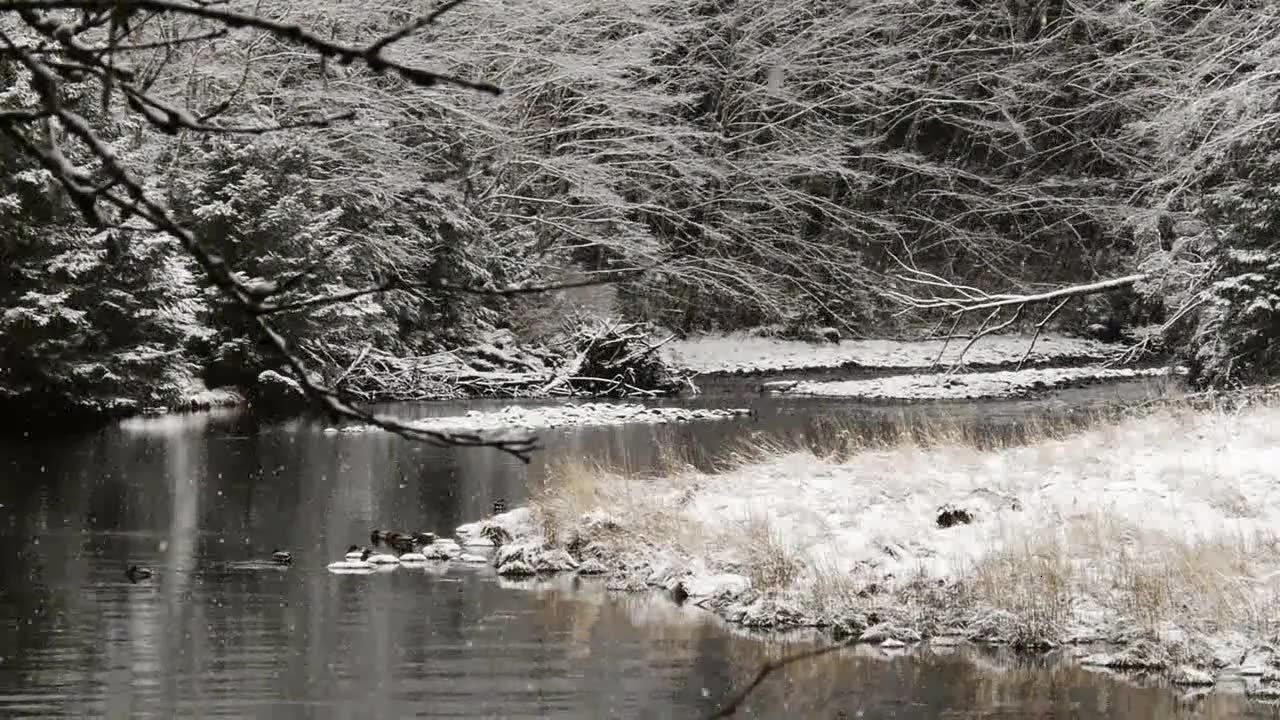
(201, 497)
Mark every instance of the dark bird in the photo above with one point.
(135, 573)
(424, 538)
(281, 557)
(395, 540)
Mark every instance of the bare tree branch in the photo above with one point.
(443, 284)
(964, 300)
(126, 193)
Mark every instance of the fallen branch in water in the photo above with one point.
(730, 707)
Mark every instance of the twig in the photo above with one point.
(1040, 328)
(730, 706)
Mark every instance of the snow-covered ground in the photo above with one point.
(555, 416)
(743, 353)
(1160, 533)
(963, 386)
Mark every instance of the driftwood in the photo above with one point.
(604, 359)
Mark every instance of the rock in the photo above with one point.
(276, 393)
(1187, 675)
(1268, 692)
(1259, 661)
(829, 334)
(556, 560)
(435, 552)
(592, 566)
(713, 590)
(767, 612)
(949, 516)
(778, 386)
(891, 644)
(1108, 331)
(1141, 655)
(516, 568)
(517, 523)
(878, 634)
(201, 398)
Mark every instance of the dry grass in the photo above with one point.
(768, 560)
(1143, 524)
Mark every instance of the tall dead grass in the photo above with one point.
(1046, 570)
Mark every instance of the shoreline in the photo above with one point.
(1064, 542)
(869, 370)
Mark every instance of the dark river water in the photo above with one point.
(199, 498)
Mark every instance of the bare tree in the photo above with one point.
(105, 46)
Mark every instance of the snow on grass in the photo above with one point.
(966, 386)
(740, 352)
(1162, 531)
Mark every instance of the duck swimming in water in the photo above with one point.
(280, 557)
(361, 563)
(135, 573)
(397, 541)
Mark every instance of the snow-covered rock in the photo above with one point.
(1187, 675)
(879, 634)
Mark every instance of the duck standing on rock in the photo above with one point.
(135, 573)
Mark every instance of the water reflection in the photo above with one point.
(196, 497)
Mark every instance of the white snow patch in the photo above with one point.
(739, 352)
(962, 386)
(517, 418)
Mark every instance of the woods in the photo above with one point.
(349, 175)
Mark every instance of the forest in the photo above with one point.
(721, 165)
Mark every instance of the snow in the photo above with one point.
(743, 353)
(965, 386)
(1156, 533)
(570, 415)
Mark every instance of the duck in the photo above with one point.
(135, 573)
(280, 557)
(354, 552)
(361, 563)
(424, 538)
(397, 541)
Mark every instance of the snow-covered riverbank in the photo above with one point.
(740, 353)
(517, 418)
(962, 386)
(1158, 534)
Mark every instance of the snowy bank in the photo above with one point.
(962, 386)
(740, 353)
(1158, 534)
(557, 416)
